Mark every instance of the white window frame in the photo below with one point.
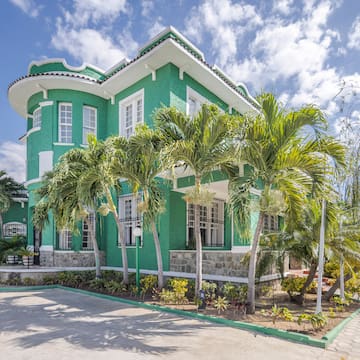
(129, 220)
(87, 127)
(67, 127)
(14, 228)
(271, 222)
(37, 118)
(86, 240)
(65, 240)
(198, 100)
(128, 112)
(209, 226)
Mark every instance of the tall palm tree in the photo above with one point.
(285, 156)
(8, 189)
(61, 194)
(200, 144)
(140, 167)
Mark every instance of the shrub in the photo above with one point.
(279, 313)
(148, 284)
(210, 291)
(179, 287)
(97, 284)
(317, 321)
(243, 290)
(221, 304)
(113, 286)
(230, 291)
(29, 281)
(49, 280)
(294, 285)
(166, 296)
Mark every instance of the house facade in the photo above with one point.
(63, 104)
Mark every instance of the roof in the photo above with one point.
(168, 46)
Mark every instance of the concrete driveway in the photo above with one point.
(55, 324)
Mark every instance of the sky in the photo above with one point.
(304, 51)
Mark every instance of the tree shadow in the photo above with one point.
(92, 323)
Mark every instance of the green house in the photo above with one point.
(62, 104)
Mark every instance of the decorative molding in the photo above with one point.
(46, 103)
(153, 72)
(44, 90)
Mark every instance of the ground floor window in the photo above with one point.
(86, 236)
(65, 240)
(271, 222)
(211, 224)
(130, 218)
(14, 228)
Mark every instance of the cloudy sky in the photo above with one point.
(304, 51)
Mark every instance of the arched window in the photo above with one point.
(11, 229)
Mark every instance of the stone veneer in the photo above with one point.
(69, 258)
(215, 262)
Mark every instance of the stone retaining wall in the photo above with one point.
(69, 258)
(223, 263)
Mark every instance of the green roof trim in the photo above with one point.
(61, 66)
(171, 35)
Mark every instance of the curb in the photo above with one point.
(324, 342)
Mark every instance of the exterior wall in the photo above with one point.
(77, 259)
(222, 263)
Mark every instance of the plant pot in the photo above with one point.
(28, 260)
(12, 259)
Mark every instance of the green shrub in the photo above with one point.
(242, 290)
(29, 281)
(113, 286)
(279, 313)
(179, 288)
(166, 296)
(97, 284)
(294, 285)
(210, 291)
(230, 291)
(221, 304)
(317, 321)
(14, 280)
(147, 284)
(49, 280)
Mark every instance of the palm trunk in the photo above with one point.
(299, 299)
(198, 276)
(1, 225)
(330, 293)
(252, 266)
(158, 255)
(122, 240)
(96, 249)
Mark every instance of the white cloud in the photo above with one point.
(354, 35)
(12, 160)
(95, 11)
(146, 7)
(156, 28)
(88, 45)
(29, 7)
(283, 6)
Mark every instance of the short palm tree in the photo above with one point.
(201, 144)
(140, 167)
(8, 189)
(278, 145)
(61, 194)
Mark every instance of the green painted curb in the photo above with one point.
(27, 288)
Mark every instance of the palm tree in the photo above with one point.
(278, 145)
(200, 144)
(61, 194)
(8, 189)
(140, 167)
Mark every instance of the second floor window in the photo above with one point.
(89, 122)
(65, 123)
(131, 113)
(193, 102)
(37, 118)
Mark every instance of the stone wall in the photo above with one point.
(223, 263)
(76, 258)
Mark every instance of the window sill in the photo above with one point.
(63, 144)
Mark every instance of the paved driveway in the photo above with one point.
(57, 324)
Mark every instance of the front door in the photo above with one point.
(37, 244)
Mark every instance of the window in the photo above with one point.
(131, 113)
(65, 240)
(193, 102)
(86, 237)
(130, 217)
(271, 223)
(37, 118)
(65, 123)
(89, 122)
(14, 228)
(211, 224)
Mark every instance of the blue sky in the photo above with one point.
(305, 51)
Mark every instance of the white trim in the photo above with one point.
(91, 108)
(63, 144)
(124, 61)
(46, 103)
(45, 162)
(153, 71)
(66, 65)
(43, 89)
(29, 116)
(191, 93)
(32, 181)
(255, 191)
(32, 130)
(46, 248)
(65, 124)
(182, 70)
(240, 249)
